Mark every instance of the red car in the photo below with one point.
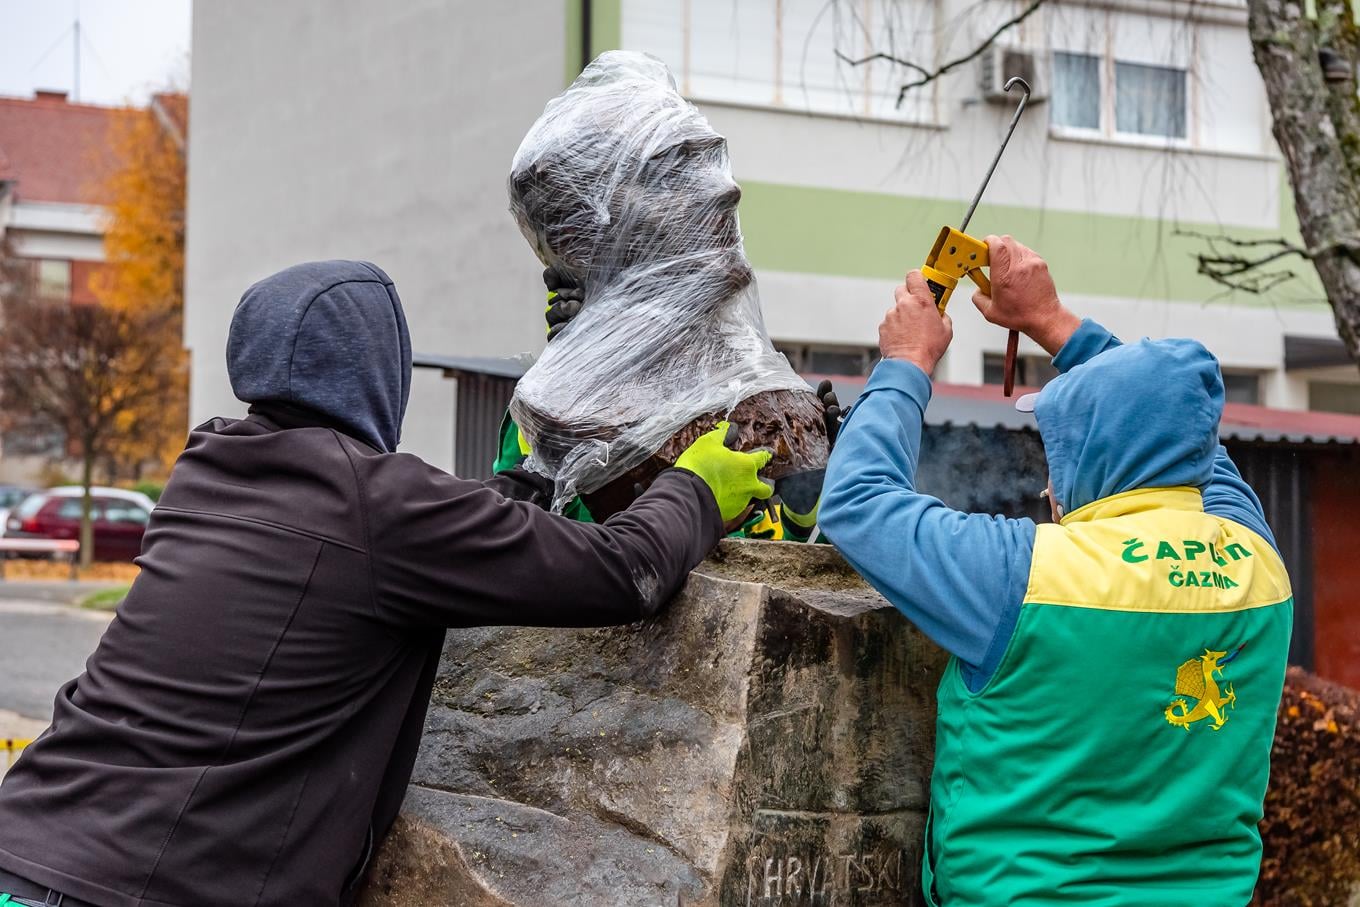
(119, 518)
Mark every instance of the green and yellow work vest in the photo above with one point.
(1119, 755)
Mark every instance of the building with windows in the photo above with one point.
(1148, 134)
(53, 155)
(1147, 137)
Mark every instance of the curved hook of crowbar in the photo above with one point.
(1024, 99)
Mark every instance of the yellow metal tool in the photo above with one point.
(955, 253)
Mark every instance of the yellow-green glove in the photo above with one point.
(731, 474)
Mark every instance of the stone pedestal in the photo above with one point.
(766, 742)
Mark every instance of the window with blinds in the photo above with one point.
(787, 53)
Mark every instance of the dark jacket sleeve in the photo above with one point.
(456, 553)
(522, 485)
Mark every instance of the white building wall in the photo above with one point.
(371, 130)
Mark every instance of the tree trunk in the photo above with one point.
(1317, 125)
(86, 524)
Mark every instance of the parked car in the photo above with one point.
(119, 518)
(11, 495)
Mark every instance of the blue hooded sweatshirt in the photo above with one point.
(1117, 418)
(327, 338)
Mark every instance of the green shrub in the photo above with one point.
(105, 599)
(151, 489)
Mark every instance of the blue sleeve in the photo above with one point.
(1086, 342)
(960, 577)
(1227, 494)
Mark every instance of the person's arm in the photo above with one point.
(1229, 496)
(455, 553)
(1089, 340)
(449, 552)
(522, 485)
(959, 577)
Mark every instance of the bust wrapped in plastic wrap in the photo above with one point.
(623, 185)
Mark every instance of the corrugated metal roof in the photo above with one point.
(952, 404)
(984, 406)
(497, 367)
(1259, 423)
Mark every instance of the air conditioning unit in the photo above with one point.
(998, 63)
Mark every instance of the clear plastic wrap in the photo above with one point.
(624, 186)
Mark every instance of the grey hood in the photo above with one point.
(329, 337)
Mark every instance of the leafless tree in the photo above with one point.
(1309, 66)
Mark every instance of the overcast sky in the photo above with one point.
(128, 47)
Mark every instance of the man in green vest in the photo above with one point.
(1106, 719)
(790, 517)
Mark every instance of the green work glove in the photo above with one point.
(731, 474)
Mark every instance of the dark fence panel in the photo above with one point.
(482, 400)
(1281, 477)
(984, 470)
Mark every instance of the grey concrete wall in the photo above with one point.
(364, 129)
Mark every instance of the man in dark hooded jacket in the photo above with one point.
(246, 728)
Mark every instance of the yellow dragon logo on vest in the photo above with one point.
(1195, 678)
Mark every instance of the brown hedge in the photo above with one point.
(1311, 829)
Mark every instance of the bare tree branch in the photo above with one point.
(884, 56)
(1240, 270)
(930, 75)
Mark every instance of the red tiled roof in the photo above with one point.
(1241, 421)
(1250, 423)
(984, 405)
(54, 150)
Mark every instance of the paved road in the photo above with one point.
(43, 644)
(35, 591)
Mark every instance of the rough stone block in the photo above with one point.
(767, 741)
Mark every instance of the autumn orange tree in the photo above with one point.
(144, 275)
